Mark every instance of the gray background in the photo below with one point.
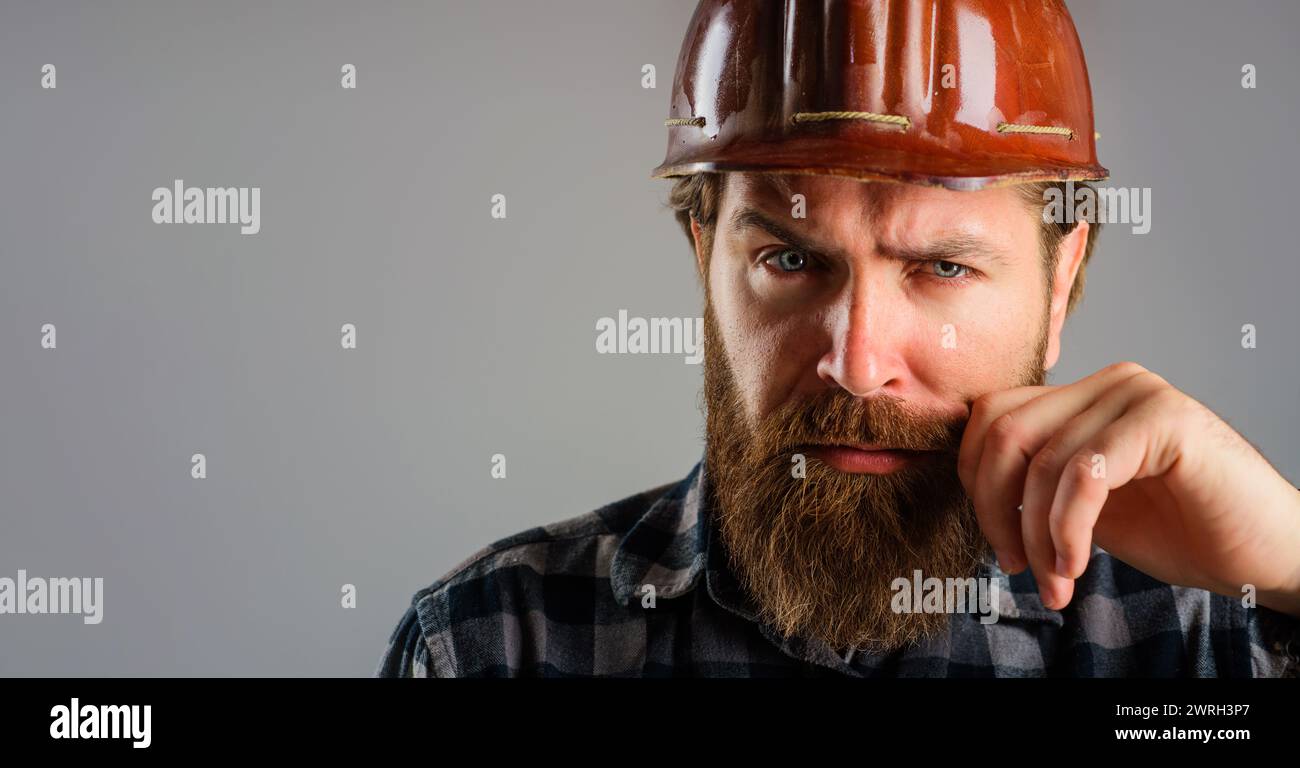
(476, 336)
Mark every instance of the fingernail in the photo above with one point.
(1062, 567)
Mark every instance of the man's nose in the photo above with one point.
(864, 356)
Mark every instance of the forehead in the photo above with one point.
(891, 210)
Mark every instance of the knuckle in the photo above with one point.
(1080, 468)
(1171, 400)
(1044, 466)
(1125, 368)
(982, 406)
(1150, 380)
(1004, 433)
(1057, 525)
(1077, 474)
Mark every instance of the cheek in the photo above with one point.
(779, 360)
(980, 349)
(770, 353)
(770, 358)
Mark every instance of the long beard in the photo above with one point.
(818, 553)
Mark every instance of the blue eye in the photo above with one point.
(788, 260)
(949, 270)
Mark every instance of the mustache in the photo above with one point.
(836, 417)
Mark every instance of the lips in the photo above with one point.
(864, 458)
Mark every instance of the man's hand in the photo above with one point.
(1154, 477)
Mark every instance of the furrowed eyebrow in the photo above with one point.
(750, 218)
(951, 248)
(964, 247)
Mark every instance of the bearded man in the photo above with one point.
(884, 297)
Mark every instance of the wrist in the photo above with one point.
(1286, 596)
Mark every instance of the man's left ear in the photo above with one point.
(1069, 257)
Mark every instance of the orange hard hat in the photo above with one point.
(964, 94)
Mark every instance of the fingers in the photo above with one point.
(1072, 450)
(984, 411)
(1005, 430)
(998, 480)
(988, 408)
(1132, 447)
(1014, 453)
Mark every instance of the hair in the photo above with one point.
(699, 195)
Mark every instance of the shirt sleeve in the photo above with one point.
(408, 653)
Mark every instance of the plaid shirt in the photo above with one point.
(568, 599)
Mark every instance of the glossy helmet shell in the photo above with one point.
(964, 94)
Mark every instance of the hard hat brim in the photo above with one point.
(832, 157)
